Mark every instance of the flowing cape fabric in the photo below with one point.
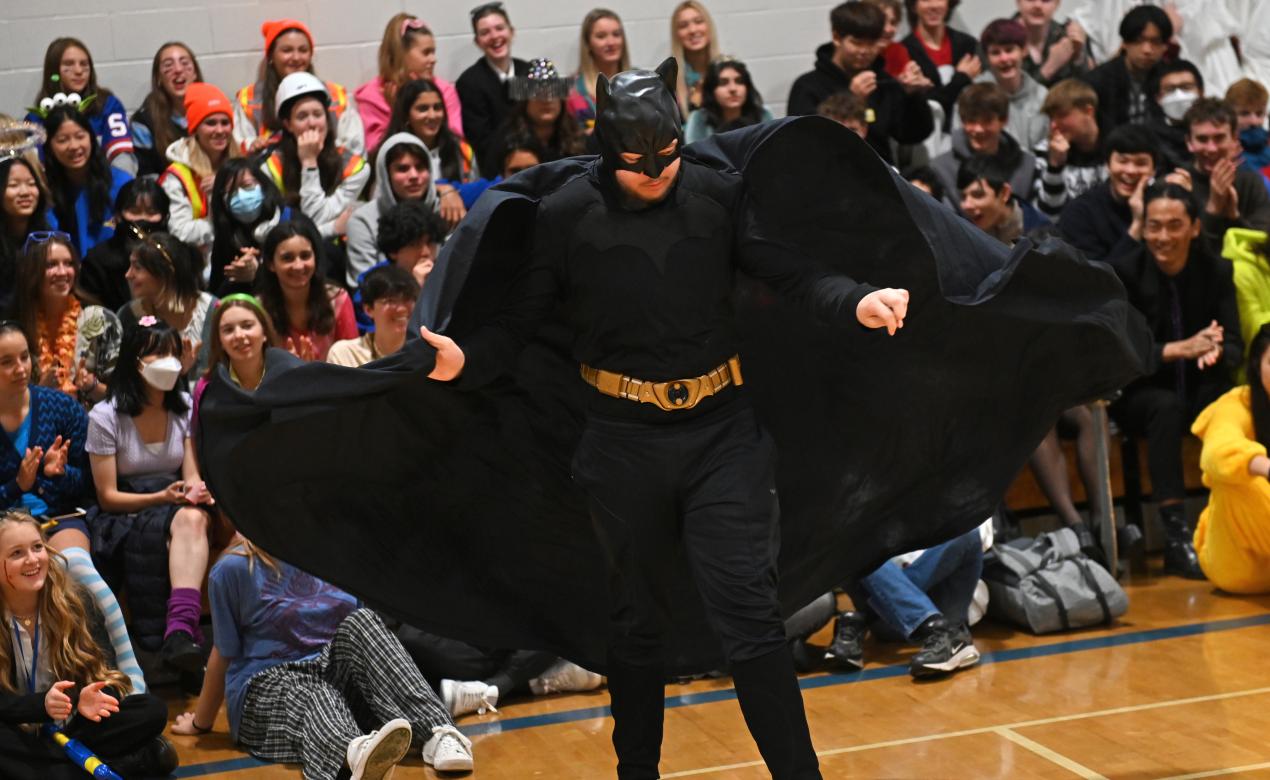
(453, 509)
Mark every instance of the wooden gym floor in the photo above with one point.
(1179, 688)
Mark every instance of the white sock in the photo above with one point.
(82, 571)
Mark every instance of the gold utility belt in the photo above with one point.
(668, 396)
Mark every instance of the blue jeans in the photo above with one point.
(940, 582)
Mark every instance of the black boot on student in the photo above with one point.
(156, 759)
(1179, 550)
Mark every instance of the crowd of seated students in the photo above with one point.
(141, 254)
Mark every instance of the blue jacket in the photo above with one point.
(88, 234)
(53, 413)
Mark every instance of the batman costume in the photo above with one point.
(597, 484)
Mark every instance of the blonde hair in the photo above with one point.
(586, 62)
(73, 654)
(677, 48)
(393, 48)
(199, 162)
(241, 546)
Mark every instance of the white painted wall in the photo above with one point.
(776, 39)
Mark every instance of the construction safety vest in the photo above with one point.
(189, 183)
(249, 97)
(352, 163)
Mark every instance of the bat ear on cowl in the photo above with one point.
(602, 93)
(669, 72)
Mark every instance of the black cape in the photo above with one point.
(454, 509)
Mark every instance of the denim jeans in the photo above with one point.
(941, 581)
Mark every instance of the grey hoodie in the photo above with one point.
(363, 225)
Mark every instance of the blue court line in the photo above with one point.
(809, 683)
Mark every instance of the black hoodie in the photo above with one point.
(897, 115)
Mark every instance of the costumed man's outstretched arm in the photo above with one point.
(884, 308)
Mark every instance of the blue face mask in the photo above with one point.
(1254, 139)
(245, 203)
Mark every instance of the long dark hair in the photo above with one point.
(53, 66)
(447, 143)
(97, 185)
(230, 235)
(1257, 389)
(127, 388)
(269, 291)
(567, 138)
(751, 110)
(330, 161)
(9, 247)
(158, 105)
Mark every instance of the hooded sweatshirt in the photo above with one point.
(1246, 250)
(894, 114)
(363, 225)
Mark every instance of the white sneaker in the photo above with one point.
(374, 756)
(460, 698)
(448, 750)
(563, 677)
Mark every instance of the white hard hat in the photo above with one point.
(297, 85)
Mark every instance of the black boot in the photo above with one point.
(157, 759)
(773, 708)
(1179, 551)
(637, 697)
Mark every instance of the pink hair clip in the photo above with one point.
(412, 24)
(148, 321)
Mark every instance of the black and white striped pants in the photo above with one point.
(306, 712)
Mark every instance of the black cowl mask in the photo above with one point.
(637, 113)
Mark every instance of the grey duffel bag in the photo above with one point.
(1047, 584)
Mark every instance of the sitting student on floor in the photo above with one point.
(473, 679)
(309, 313)
(1233, 536)
(388, 294)
(150, 528)
(59, 668)
(306, 673)
(921, 597)
(1187, 295)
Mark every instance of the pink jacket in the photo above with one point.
(376, 112)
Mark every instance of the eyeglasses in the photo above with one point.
(43, 237)
(486, 8)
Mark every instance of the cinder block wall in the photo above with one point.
(776, 39)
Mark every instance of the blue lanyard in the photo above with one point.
(35, 650)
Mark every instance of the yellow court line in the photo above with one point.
(996, 729)
(1080, 770)
(1220, 772)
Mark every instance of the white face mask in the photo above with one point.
(162, 374)
(1175, 104)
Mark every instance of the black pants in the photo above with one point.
(440, 658)
(23, 756)
(1163, 417)
(703, 489)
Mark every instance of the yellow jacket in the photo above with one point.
(1233, 536)
(1246, 250)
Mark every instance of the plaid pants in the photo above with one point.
(306, 712)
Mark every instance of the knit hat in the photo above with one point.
(542, 82)
(202, 100)
(272, 29)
